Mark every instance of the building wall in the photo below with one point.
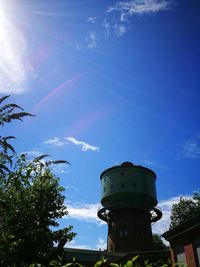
(190, 254)
(186, 247)
(197, 248)
(130, 230)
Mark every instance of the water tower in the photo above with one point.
(129, 207)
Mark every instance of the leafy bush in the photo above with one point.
(103, 262)
(31, 201)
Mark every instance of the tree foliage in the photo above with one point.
(185, 209)
(158, 244)
(31, 201)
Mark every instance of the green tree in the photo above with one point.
(31, 201)
(158, 244)
(185, 209)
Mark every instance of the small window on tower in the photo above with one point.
(122, 184)
(125, 232)
(111, 186)
(104, 189)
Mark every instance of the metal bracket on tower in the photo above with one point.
(103, 214)
(156, 215)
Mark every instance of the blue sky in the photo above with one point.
(109, 81)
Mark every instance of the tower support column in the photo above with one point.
(129, 230)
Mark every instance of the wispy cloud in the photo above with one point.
(71, 188)
(55, 141)
(60, 168)
(126, 9)
(32, 153)
(191, 148)
(91, 39)
(87, 212)
(13, 68)
(84, 146)
(72, 244)
(120, 29)
(102, 244)
(154, 164)
(56, 168)
(106, 28)
(84, 212)
(139, 7)
(92, 20)
(117, 18)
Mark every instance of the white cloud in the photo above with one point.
(71, 188)
(91, 39)
(148, 162)
(120, 29)
(92, 20)
(139, 7)
(72, 244)
(88, 213)
(32, 153)
(68, 245)
(56, 168)
(117, 18)
(191, 149)
(13, 68)
(60, 168)
(101, 245)
(84, 212)
(84, 146)
(124, 10)
(55, 141)
(154, 164)
(106, 27)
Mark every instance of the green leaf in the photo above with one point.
(10, 106)
(3, 98)
(114, 265)
(39, 158)
(129, 264)
(3, 167)
(135, 258)
(48, 163)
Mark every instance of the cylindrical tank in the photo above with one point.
(128, 197)
(128, 185)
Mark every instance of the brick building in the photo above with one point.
(184, 242)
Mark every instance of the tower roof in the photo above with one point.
(127, 164)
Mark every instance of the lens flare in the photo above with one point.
(12, 49)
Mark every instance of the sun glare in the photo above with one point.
(12, 48)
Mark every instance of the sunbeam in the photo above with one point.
(12, 50)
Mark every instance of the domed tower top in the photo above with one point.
(128, 185)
